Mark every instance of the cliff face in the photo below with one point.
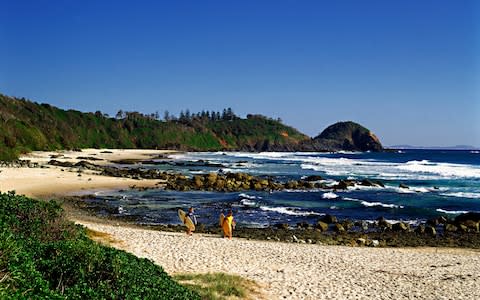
(348, 136)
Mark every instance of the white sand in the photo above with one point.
(44, 182)
(301, 271)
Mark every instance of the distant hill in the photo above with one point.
(28, 126)
(348, 136)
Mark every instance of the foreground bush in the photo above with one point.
(44, 256)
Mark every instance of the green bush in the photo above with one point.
(44, 256)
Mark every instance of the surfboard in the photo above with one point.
(222, 217)
(227, 229)
(186, 220)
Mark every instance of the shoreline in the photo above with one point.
(283, 270)
(54, 181)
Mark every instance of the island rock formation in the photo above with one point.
(349, 136)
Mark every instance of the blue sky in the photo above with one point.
(408, 70)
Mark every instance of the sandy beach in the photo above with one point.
(52, 180)
(283, 270)
(300, 271)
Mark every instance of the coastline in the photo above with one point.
(54, 181)
(291, 270)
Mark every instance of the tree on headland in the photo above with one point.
(166, 116)
(119, 114)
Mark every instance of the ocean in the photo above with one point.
(440, 183)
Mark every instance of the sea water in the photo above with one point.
(439, 183)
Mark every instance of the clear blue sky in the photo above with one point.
(408, 70)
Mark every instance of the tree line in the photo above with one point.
(185, 116)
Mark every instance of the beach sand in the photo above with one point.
(283, 270)
(301, 271)
(57, 181)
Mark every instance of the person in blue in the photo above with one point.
(191, 215)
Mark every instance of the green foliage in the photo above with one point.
(27, 126)
(44, 256)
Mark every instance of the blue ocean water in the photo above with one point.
(440, 182)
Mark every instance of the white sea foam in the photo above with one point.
(442, 169)
(410, 222)
(251, 197)
(462, 195)
(454, 212)
(410, 190)
(329, 195)
(248, 203)
(373, 204)
(290, 211)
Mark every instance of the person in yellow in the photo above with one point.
(228, 225)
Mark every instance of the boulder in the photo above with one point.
(450, 227)
(430, 231)
(361, 241)
(420, 229)
(362, 224)
(313, 178)
(367, 182)
(400, 226)
(379, 183)
(329, 219)
(472, 225)
(263, 182)
(282, 226)
(433, 222)
(442, 220)
(322, 226)
(198, 181)
(468, 216)
(292, 184)
(220, 184)
(381, 222)
(462, 228)
(338, 227)
(303, 225)
(344, 184)
(212, 178)
(347, 224)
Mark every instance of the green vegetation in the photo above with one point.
(219, 286)
(44, 256)
(28, 126)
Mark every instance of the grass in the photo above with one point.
(102, 237)
(219, 286)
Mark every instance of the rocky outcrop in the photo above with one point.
(348, 136)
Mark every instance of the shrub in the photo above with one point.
(44, 256)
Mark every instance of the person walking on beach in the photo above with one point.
(228, 225)
(191, 215)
